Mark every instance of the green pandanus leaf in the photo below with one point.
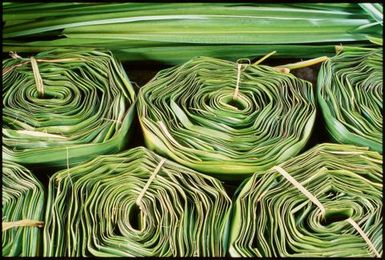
(224, 118)
(143, 31)
(23, 208)
(65, 106)
(350, 96)
(326, 202)
(135, 203)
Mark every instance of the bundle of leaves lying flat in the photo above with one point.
(350, 96)
(326, 202)
(224, 118)
(135, 204)
(177, 32)
(22, 211)
(65, 106)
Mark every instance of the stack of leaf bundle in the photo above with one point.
(176, 32)
(350, 96)
(224, 118)
(62, 107)
(326, 202)
(22, 211)
(135, 203)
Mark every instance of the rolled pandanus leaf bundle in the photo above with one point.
(350, 96)
(22, 211)
(135, 203)
(326, 202)
(65, 106)
(224, 118)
